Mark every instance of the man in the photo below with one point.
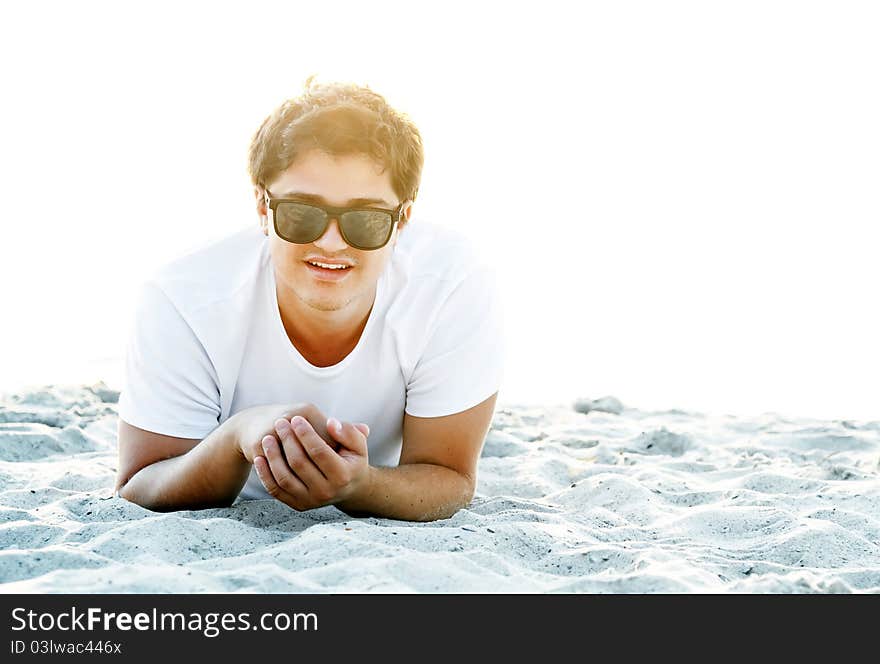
(339, 354)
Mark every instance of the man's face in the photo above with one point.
(338, 181)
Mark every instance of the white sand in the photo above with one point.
(567, 502)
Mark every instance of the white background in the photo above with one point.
(681, 197)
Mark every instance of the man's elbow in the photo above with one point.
(120, 484)
(127, 488)
(470, 488)
(136, 493)
(461, 499)
(126, 492)
(122, 490)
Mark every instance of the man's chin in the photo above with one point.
(325, 303)
(333, 299)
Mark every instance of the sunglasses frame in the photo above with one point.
(333, 213)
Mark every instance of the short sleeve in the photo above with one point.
(463, 362)
(169, 384)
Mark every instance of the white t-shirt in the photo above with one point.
(207, 341)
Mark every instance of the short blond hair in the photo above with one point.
(339, 119)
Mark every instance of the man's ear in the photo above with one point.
(404, 219)
(262, 212)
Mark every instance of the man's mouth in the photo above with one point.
(328, 271)
(329, 266)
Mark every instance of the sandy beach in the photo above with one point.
(567, 501)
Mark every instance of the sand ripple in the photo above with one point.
(598, 501)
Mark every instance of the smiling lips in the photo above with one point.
(329, 266)
(336, 273)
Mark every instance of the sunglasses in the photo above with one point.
(303, 223)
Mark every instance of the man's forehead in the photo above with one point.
(336, 179)
(317, 198)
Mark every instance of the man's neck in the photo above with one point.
(324, 338)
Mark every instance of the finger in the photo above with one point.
(363, 428)
(286, 478)
(275, 465)
(348, 435)
(330, 464)
(265, 474)
(321, 429)
(297, 461)
(271, 486)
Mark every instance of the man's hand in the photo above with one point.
(252, 424)
(305, 471)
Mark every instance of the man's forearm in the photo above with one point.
(411, 492)
(211, 474)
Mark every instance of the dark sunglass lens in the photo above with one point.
(366, 229)
(298, 222)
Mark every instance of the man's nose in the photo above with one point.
(332, 239)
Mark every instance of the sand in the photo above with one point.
(598, 499)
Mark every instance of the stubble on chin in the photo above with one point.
(325, 303)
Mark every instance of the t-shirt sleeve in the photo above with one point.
(169, 384)
(463, 362)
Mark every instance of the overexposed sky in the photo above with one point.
(681, 198)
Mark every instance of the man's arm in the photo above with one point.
(412, 492)
(437, 473)
(163, 473)
(210, 474)
(436, 476)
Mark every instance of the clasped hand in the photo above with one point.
(304, 471)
